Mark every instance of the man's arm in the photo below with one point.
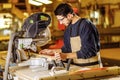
(64, 56)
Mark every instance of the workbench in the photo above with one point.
(38, 73)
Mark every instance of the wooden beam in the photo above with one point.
(28, 6)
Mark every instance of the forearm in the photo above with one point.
(57, 50)
(71, 55)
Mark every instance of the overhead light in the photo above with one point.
(33, 2)
(7, 5)
(44, 1)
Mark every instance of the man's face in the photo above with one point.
(63, 20)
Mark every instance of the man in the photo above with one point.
(81, 39)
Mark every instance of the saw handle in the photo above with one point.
(62, 64)
(68, 64)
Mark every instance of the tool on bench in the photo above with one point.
(34, 33)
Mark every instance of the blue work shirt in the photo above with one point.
(89, 38)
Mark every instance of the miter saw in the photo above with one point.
(34, 32)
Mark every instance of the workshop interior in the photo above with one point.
(28, 26)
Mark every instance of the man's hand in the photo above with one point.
(47, 52)
(60, 56)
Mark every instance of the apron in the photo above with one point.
(93, 62)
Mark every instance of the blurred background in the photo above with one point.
(105, 14)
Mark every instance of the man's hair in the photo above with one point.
(63, 9)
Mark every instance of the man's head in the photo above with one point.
(64, 13)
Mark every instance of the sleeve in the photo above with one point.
(89, 41)
(66, 47)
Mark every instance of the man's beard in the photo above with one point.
(69, 22)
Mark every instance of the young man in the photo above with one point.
(81, 39)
